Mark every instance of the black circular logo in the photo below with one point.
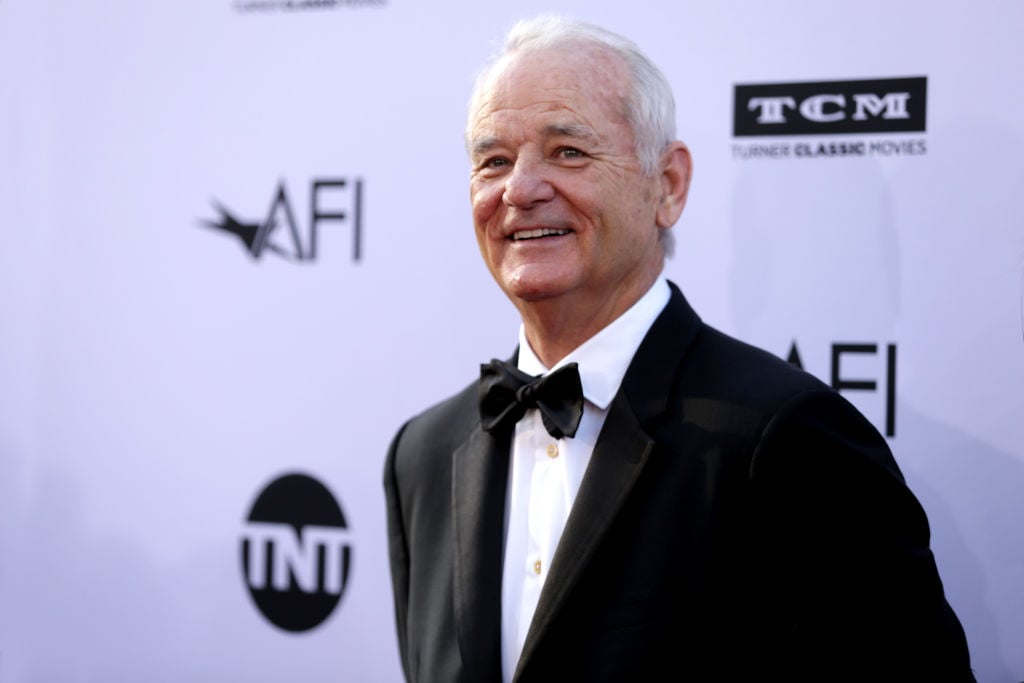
(296, 552)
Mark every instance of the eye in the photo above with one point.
(495, 163)
(569, 153)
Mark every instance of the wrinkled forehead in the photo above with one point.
(572, 75)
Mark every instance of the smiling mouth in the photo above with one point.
(537, 233)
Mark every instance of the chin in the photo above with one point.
(537, 281)
(534, 291)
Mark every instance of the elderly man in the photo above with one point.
(636, 496)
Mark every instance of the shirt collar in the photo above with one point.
(604, 358)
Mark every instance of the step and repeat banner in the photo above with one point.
(237, 255)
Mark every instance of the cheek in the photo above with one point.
(486, 203)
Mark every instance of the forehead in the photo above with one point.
(575, 85)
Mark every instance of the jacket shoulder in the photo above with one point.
(450, 421)
(422, 448)
(738, 371)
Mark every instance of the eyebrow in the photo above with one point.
(567, 130)
(483, 145)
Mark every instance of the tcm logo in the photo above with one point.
(880, 370)
(300, 5)
(296, 553)
(284, 232)
(891, 105)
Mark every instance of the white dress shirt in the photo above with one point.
(545, 473)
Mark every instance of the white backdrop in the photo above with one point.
(156, 375)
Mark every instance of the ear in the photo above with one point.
(676, 168)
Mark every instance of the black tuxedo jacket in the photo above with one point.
(738, 521)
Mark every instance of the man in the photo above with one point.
(714, 514)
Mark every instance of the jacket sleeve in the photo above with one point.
(854, 583)
(398, 551)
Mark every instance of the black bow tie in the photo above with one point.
(506, 393)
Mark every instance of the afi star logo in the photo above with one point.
(281, 234)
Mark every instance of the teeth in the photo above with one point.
(539, 232)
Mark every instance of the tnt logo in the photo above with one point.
(296, 552)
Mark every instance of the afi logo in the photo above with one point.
(877, 106)
(871, 384)
(331, 200)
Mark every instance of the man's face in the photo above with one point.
(561, 206)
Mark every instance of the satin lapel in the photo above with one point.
(619, 457)
(479, 479)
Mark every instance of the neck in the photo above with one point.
(557, 326)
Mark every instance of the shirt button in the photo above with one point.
(536, 567)
(553, 450)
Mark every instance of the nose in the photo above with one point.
(527, 184)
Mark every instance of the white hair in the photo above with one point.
(650, 108)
